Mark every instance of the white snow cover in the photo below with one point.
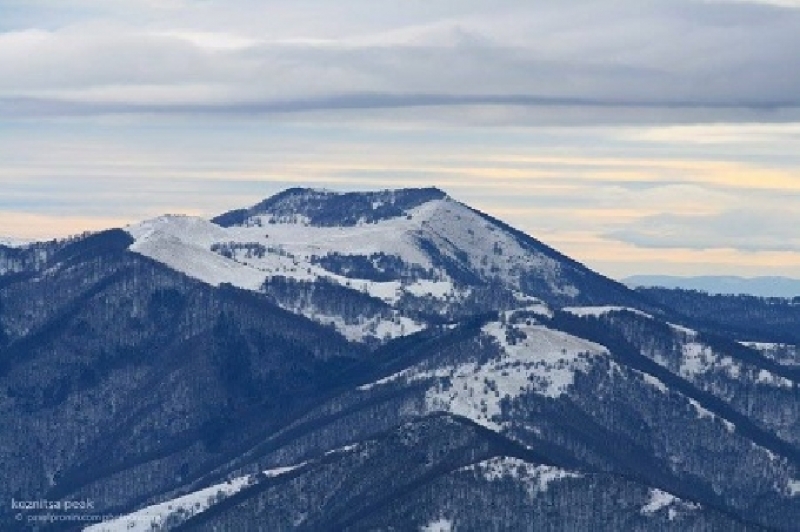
(703, 412)
(440, 525)
(394, 236)
(15, 242)
(763, 346)
(536, 478)
(534, 306)
(437, 289)
(181, 508)
(660, 500)
(490, 249)
(278, 471)
(656, 383)
(149, 518)
(345, 449)
(545, 362)
(599, 311)
(699, 359)
(183, 243)
(794, 487)
(784, 354)
(681, 329)
(377, 327)
(245, 256)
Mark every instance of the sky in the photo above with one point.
(637, 136)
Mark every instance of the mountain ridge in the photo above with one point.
(321, 206)
(416, 247)
(761, 286)
(247, 369)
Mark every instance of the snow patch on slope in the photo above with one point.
(785, 354)
(690, 333)
(699, 359)
(187, 244)
(10, 242)
(440, 525)
(183, 243)
(703, 413)
(598, 311)
(381, 329)
(536, 478)
(437, 289)
(394, 236)
(763, 346)
(654, 382)
(435, 239)
(660, 500)
(488, 249)
(175, 511)
(543, 362)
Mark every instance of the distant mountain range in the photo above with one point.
(718, 284)
(13, 242)
(390, 360)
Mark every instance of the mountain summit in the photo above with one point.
(382, 360)
(415, 250)
(323, 208)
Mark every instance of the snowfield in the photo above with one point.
(544, 362)
(582, 312)
(172, 512)
(264, 246)
(440, 525)
(699, 359)
(661, 500)
(536, 478)
(15, 242)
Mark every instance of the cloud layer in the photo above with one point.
(640, 136)
(624, 199)
(668, 60)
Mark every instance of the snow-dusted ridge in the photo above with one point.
(662, 501)
(191, 245)
(538, 360)
(439, 525)
(184, 244)
(535, 478)
(430, 234)
(597, 311)
(174, 511)
(11, 242)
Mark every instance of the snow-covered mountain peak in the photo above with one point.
(10, 242)
(187, 227)
(409, 252)
(325, 208)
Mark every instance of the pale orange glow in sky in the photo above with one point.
(608, 255)
(666, 131)
(42, 227)
(623, 207)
